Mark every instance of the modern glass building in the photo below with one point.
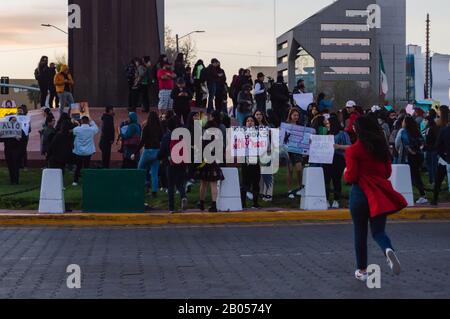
(344, 42)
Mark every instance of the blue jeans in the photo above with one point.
(65, 98)
(241, 117)
(359, 208)
(212, 89)
(149, 161)
(431, 160)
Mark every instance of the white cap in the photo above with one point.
(375, 108)
(350, 104)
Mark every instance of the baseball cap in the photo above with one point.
(350, 104)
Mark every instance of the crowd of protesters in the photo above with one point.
(183, 95)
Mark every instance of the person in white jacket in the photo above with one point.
(84, 146)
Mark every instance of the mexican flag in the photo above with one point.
(383, 77)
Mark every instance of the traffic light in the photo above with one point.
(4, 90)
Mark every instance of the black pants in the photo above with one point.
(333, 173)
(415, 165)
(53, 97)
(199, 102)
(251, 177)
(440, 177)
(279, 113)
(145, 97)
(105, 147)
(44, 92)
(261, 104)
(82, 163)
(54, 164)
(176, 178)
(13, 157)
(24, 155)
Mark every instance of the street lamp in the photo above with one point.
(52, 26)
(178, 38)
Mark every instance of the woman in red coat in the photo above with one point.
(372, 197)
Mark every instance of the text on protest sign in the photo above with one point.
(24, 120)
(322, 149)
(296, 138)
(10, 129)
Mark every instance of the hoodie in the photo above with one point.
(60, 85)
(133, 131)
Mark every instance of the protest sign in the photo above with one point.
(10, 129)
(78, 110)
(296, 138)
(322, 149)
(250, 142)
(24, 120)
(303, 100)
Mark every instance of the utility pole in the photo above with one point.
(427, 62)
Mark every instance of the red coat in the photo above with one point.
(373, 176)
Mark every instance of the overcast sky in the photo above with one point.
(239, 32)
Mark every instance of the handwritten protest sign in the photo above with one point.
(24, 120)
(250, 142)
(322, 149)
(10, 129)
(303, 100)
(296, 138)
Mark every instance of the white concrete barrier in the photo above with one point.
(52, 192)
(402, 183)
(314, 195)
(229, 195)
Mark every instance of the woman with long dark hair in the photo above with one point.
(411, 153)
(43, 76)
(372, 196)
(295, 162)
(151, 141)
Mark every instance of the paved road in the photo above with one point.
(277, 261)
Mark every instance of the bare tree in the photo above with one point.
(60, 59)
(187, 46)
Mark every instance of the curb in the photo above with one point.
(90, 220)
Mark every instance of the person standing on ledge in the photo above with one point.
(64, 82)
(372, 196)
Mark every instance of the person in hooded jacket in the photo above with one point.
(131, 137)
(108, 136)
(60, 148)
(279, 95)
(64, 82)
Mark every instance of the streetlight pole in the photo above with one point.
(178, 38)
(52, 26)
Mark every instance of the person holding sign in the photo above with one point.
(295, 163)
(372, 196)
(13, 152)
(251, 170)
(333, 172)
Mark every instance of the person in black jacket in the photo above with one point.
(108, 136)
(14, 155)
(211, 77)
(443, 149)
(60, 148)
(181, 97)
(279, 95)
(43, 76)
(52, 88)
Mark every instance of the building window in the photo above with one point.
(283, 59)
(335, 70)
(345, 56)
(350, 42)
(283, 45)
(356, 13)
(344, 27)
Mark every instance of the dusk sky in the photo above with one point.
(239, 32)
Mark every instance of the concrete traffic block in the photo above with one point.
(52, 192)
(314, 194)
(402, 183)
(229, 194)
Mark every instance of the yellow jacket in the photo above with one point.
(59, 79)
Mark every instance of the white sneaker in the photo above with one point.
(249, 196)
(335, 205)
(291, 195)
(422, 201)
(393, 262)
(301, 192)
(74, 184)
(361, 275)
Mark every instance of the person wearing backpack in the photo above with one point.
(43, 75)
(131, 137)
(411, 153)
(175, 169)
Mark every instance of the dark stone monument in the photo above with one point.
(112, 33)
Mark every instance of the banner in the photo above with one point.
(250, 142)
(8, 108)
(322, 149)
(10, 129)
(24, 120)
(303, 100)
(296, 138)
